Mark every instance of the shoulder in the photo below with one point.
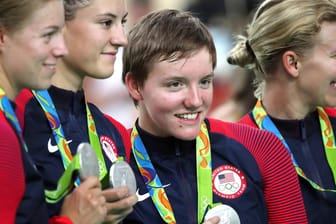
(98, 113)
(116, 123)
(248, 120)
(238, 131)
(125, 135)
(262, 144)
(120, 129)
(8, 137)
(21, 102)
(330, 111)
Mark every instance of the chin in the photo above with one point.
(186, 136)
(41, 86)
(102, 75)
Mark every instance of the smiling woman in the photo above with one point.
(30, 44)
(62, 118)
(189, 167)
(293, 57)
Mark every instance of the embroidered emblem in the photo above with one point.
(109, 148)
(228, 182)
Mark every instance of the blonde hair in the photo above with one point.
(71, 7)
(278, 26)
(14, 13)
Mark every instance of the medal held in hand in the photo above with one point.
(121, 174)
(226, 214)
(89, 165)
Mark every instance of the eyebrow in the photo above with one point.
(212, 74)
(54, 27)
(125, 15)
(112, 15)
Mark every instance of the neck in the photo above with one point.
(67, 78)
(283, 101)
(10, 90)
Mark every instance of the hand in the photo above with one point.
(86, 204)
(119, 203)
(213, 220)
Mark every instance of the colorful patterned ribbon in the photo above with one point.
(10, 115)
(154, 185)
(264, 122)
(49, 109)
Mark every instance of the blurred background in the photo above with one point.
(233, 89)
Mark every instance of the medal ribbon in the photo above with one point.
(264, 122)
(49, 109)
(154, 185)
(10, 115)
(204, 171)
(64, 184)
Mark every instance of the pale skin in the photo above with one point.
(28, 56)
(299, 84)
(88, 201)
(119, 203)
(100, 28)
(214, 220)
(185, 85)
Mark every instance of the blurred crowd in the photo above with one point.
(233, 87)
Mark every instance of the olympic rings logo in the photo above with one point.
(232, 187)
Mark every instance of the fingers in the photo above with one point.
(119, 203)
(119, 199)
(90, 182)
(115, 194)
(86, 204)
(214, 220)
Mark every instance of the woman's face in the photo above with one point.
(93, 38)
(28, 56)
(176, 96)
(317, 79)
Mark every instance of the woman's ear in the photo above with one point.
(133, 86)
(291, 63)
(2, 36)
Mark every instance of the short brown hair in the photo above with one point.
(164, 35)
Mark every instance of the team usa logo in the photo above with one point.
(228, 182)
(109, 148)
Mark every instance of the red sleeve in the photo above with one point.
(11, 172)
(281, 184)
(124, 134)
(330, 111)
(21, 101)
(247, 120)
(60, 220)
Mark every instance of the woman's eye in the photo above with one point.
(123, 21)
(107, 23)
(206, 83)
(47, 37)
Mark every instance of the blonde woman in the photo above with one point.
(93, 33)
(290, 45)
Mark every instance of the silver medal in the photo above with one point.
(226, 214)
(89, 165)
(121, 174)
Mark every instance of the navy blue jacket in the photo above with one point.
(72, 114)
(265, 188)
(304, 139)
